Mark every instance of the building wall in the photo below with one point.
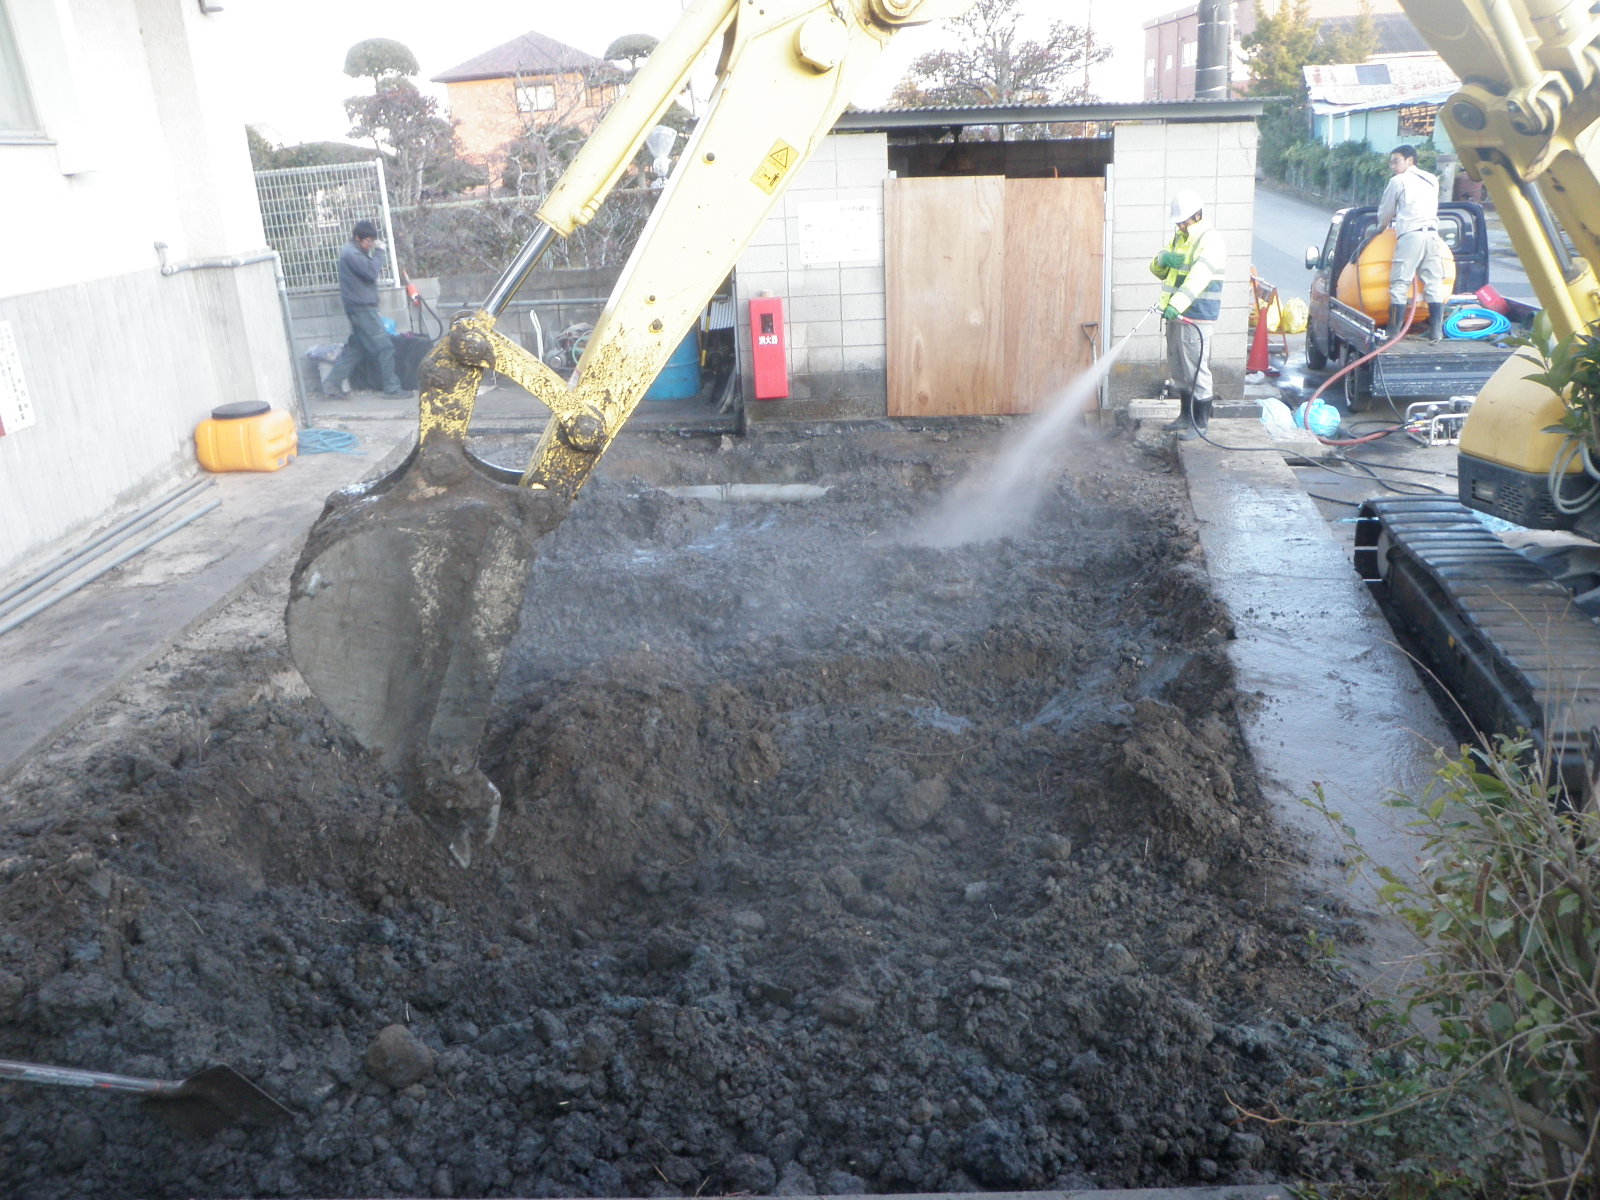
(1171, 45)
(833, 306)
(835, 313)
(487, 117)
(1151, 161)
(121, 361)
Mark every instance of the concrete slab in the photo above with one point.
(1336, 701)
(61, 662)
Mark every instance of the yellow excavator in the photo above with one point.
(1514, 635)
(410, 588)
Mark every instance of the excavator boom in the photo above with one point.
(411, 588)
(1503, 629)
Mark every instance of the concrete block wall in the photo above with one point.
(1151, 160)
(821, 251)
(119, 372)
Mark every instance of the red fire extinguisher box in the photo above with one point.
(767, 348)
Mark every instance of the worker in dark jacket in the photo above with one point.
(1191, 269)
(358, 289)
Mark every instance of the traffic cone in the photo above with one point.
(1259, 362)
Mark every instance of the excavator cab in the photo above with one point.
(410, 588)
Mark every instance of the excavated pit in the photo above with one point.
(833, 860)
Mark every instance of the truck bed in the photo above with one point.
(1415, 368)
(1418, 368)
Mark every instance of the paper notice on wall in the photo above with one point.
(16, 410)
(841, 231)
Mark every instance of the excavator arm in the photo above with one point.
(1508, 632)
(411, 588)
(1525, 123)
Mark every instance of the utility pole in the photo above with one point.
(1214, 54)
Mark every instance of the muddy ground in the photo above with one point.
(835, 859)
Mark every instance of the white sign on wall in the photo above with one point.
(16, 410)
(841, 231)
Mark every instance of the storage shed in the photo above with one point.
(926, 272)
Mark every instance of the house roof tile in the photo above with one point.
(531, 54)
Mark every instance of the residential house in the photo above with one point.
(137, 292)
(1380, 103)
(532, 82)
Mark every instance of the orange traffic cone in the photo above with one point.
(1259, 362)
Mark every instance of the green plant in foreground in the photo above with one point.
(1572, 371)
(1505, 1008)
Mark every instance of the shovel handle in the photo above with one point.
(68, 1077)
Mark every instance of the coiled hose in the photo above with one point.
(1480, 323)
(328, 441)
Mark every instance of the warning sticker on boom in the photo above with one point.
(778, 163)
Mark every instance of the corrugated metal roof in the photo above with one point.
(531, 54)
(1049, 114)
(1435, 96)
(1346, 84)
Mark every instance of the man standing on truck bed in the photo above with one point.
(1411, 204)
(1191, 269)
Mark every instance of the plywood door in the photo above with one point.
(1055, 263)
(991, 284)
(944, 260)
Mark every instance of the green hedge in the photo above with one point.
(1348, 173)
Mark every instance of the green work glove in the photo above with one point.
(1171, 314)
(1169, 260)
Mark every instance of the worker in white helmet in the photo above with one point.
(1191, 269)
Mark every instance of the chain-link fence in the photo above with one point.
(308, 212)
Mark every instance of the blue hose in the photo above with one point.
(326, 441)
(1495, 325)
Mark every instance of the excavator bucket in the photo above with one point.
(404, 601)
(410, 589)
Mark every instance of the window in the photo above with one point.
(535, 97)
(17, 113)
(1191, 53)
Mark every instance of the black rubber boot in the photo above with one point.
(1202, 421)
(1181, 421)
(1397, 320)
(1436, 322)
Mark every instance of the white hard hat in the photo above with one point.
(1185, 204)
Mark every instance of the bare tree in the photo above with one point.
(991, 62)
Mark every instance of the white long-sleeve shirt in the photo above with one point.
(1411, 201)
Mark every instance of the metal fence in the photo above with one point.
(308, 212)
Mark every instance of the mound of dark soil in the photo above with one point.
(832, 861)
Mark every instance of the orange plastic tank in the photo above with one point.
(1364, 283)
(248, 436)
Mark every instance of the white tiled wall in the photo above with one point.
(833, 311)
(1151, 161)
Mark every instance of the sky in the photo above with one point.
(296, 88)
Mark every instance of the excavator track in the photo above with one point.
(1496, 630)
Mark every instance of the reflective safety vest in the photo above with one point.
(1194, 289)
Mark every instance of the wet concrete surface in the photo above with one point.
(58, 664)
(1338, 705)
